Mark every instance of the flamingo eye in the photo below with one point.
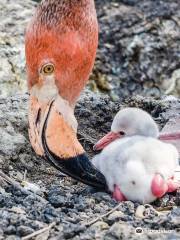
(47, 69)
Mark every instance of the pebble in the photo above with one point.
(71, 230)
(119, 230)
(24, 230)
(100, 225)
(10, 230)
(140, 212)
(31, 187)
(13, 237)
(115, 216)
(57, 200)
(18, 210)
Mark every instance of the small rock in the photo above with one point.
(175, 216)
(140, 211)
(71, 230)
(10, 230)
(98, 209)
(178, 197)
(99, 196)
(24, 230)
(1, 233)
(57, 200)
(18, 210)
(15, 174)
(115, 216)
(90, 202)
(100, 225)
(31, 187)
(3, 183)
(13, 237)
(120, 231)
(37, 225)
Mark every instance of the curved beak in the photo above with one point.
(53, 138)
(107, 139)
(118, 195)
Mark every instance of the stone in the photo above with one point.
(100, 225)
(120, 230)
(115, 216)
(24, 230)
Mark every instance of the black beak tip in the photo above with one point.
(88, 172)
(79, 168)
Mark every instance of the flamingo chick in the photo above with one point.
(138, 168)
(60, 43)
(129, 122)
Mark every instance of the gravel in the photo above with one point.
(139, 47)
(138, 52)
(71, 205)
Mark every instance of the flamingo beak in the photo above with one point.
(53, 138)
(118, 195)
(107, 139)
(158, 186)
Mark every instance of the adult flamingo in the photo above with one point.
(60, 43)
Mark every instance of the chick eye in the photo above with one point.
(47, 69)
(122, 133)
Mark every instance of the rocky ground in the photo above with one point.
(139, 49)
(70, 207)
(138, 53)
(13, 19)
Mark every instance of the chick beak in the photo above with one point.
(107, 139)
(54, 139)
(158, 186)
(118, 195)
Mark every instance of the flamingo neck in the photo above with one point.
(71, 12)
(170, 136)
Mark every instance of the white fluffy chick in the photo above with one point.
(138, 168)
